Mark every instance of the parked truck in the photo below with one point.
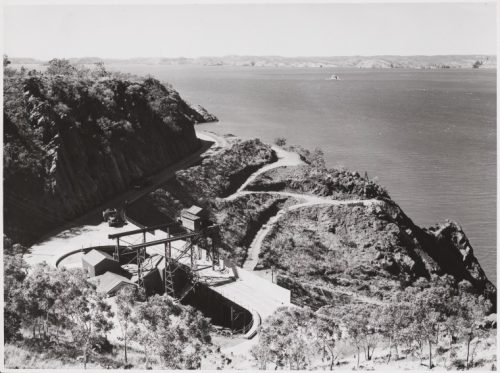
(113, 217)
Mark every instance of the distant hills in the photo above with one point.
(379, 62)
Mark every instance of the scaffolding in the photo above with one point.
(193, 239)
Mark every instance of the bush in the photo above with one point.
(280, 141)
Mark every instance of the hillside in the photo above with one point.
(338, 241)
(370, 249)
(331, 254)
(73, 137)
(362, 273)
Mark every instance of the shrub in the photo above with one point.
(280, 141)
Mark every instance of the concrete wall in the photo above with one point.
(218, 308)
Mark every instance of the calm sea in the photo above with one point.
(429, 136)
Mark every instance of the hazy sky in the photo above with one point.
(258, 29)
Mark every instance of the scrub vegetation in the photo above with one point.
(58, 312)
(424, 326)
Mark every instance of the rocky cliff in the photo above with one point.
(73, 138)
(334, 249)
(347, 253)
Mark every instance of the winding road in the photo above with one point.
(90, 230)
(256, 245)
(285, 158)
(251, 291)
(210, 143)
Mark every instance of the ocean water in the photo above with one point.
(428, 136)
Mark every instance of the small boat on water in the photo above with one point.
(334, 77)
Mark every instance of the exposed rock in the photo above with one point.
(373, 260)
(207, 117)
(72, 141)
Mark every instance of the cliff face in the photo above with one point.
(344, 252)
(371, 244)
(72, 140)
(348, 253)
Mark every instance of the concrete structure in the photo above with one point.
(110, 283)
(97, 262)
(257, 295)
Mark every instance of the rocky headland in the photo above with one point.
(75, 137)
(338, 232)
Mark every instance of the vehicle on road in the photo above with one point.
(113, 217)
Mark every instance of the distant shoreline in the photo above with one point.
(362, 62)
(488, 68)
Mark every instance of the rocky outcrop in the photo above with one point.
(72, 141)
(223, 173)
(338, 253)
(449, 246)
(205, 115)
(369, 252)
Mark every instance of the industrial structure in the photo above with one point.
(198, 237)
(182, 259)
(174, 264)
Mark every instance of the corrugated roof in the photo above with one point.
(94, 256)
(109, 281)
(195, 210)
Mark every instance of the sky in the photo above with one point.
(113, 31)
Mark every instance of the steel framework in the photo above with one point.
(172, 263)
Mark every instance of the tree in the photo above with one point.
(6, 61)
(125, 302)
(100, 70)
(262, 354)
(318, 159)
(287, 338)
(178, 335)
(60, 67)
(15, 271)
(466, 324)
(39, 295)
(360, 321)
(328, 333)
(431, 304)
(87, 315)
(394, 321)
(280, 141)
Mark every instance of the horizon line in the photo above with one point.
(260, 56)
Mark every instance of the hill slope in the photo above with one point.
(74, 137)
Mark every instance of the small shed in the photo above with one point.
(97, 262)
(192, 218)
(110, 283)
